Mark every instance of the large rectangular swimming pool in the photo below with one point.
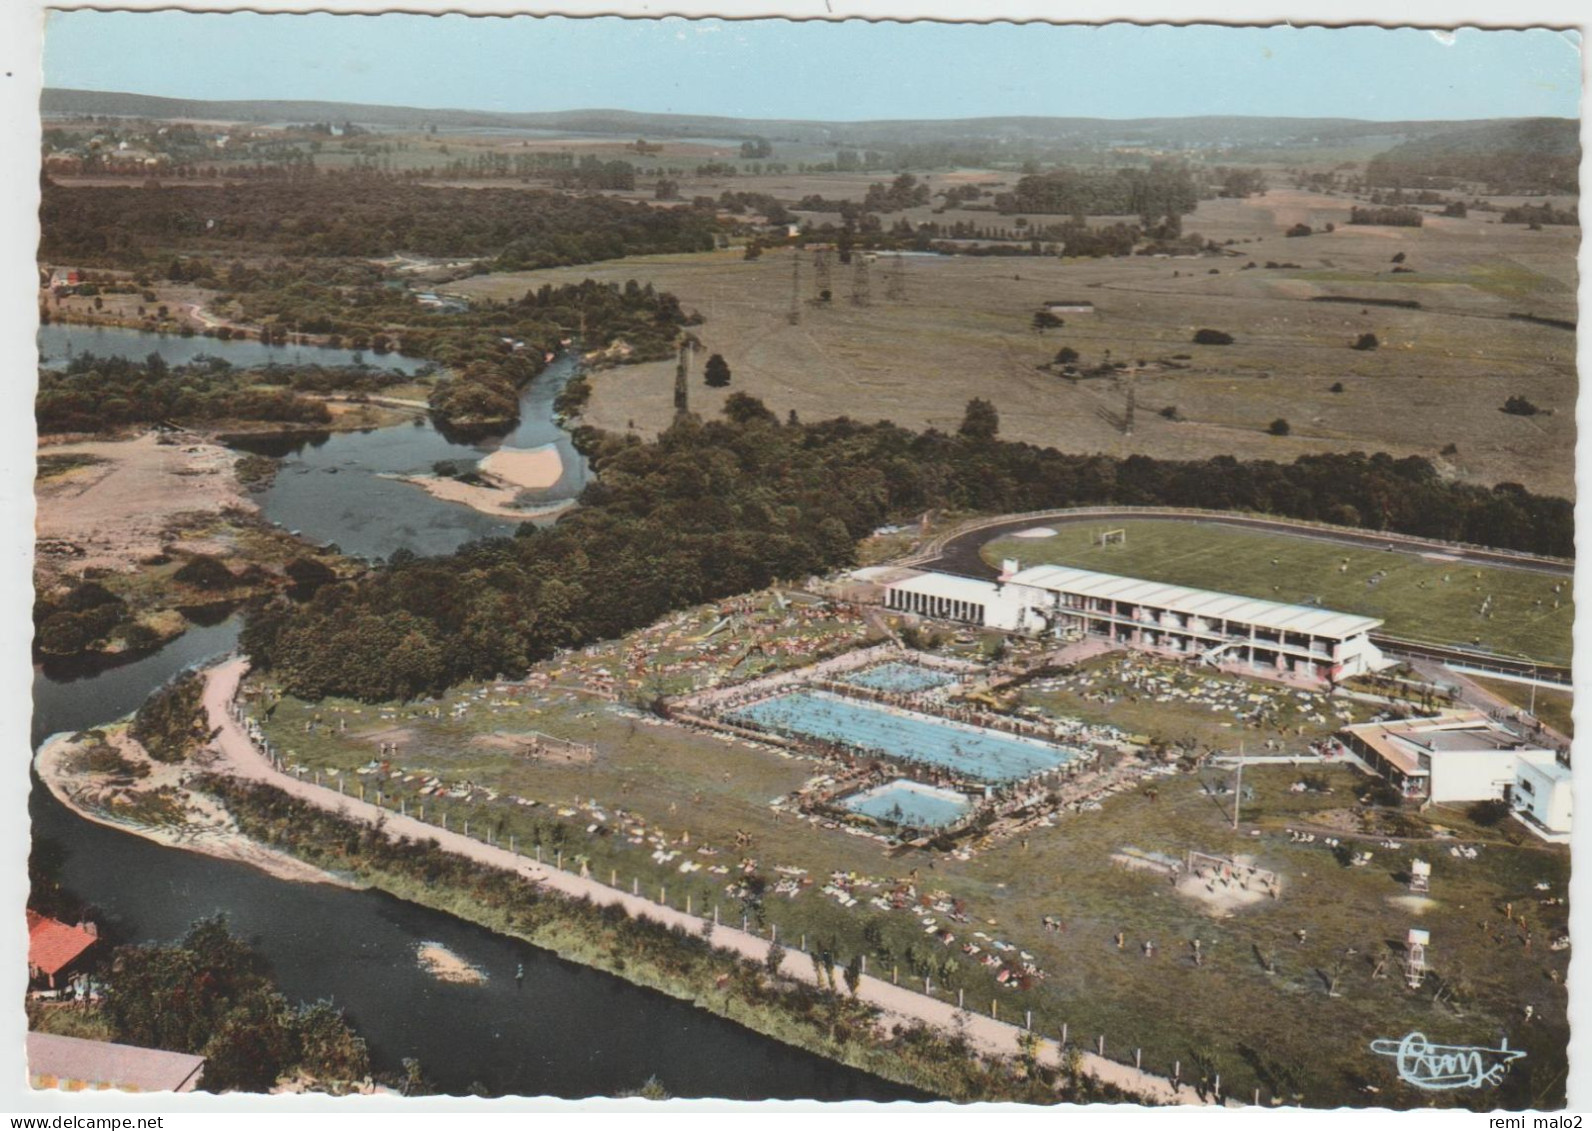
(906, 802)
(893, 675)
(983, 755)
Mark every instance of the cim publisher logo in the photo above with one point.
(1444, 1067)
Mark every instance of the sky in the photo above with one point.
(817, 70)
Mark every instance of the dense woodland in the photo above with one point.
(714, 508)
(1521, 156)
(357, 215)
(93, 394)
(210, 994)
(1158, 191)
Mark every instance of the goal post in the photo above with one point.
(1117, 537)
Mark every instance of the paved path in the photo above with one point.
(239, 756)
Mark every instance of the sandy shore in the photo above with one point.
(507, 472)
(206, 828)
(525, 468)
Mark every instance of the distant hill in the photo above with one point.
(1083, 132)
(1512, 156)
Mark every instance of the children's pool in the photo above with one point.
(898, 677)
(984, 755)
(906, 802)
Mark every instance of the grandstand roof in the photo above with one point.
(1196, 602)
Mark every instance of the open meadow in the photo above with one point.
(686, 816)
(964, 329)
(1420, 596)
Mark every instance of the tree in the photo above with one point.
(980, 421)
(773, 960)
(716, 374)
(1279, 427)
(854, 974)
(1066, 355)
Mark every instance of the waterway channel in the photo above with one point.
(565, 1031)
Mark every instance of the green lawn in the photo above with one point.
(1412, 595)
(1552, 707)
(671, 782)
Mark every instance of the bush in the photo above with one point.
(1520, 406)
(1279, 427)
(205, 572)
(1488, 813)
(1367, 342)
(1212, 338)
(1300, 230)
(1337, 387)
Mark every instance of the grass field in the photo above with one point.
(963, 330)
(1412, 597)
(670, 782)
(1552, 707)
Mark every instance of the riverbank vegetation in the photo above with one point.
(210, 994)
(720, 507)
(829, 1021)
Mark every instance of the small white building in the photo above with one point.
(1455, 757)
(1541, 794)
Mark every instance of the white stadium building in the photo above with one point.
(1062, 602)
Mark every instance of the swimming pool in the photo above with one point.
(984, 755)
(893, 675)
(906, 802)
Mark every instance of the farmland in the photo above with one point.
(1434, 388)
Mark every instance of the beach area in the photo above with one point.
(504, 475)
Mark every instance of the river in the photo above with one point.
(566, 1031)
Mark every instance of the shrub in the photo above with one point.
(1300, 230)
(1520, 406)
(1279, 427)
(1212, 338)
(1367, 342)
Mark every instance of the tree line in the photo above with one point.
(366, 216)
(93, 394)
(210, 994)
(725, 506)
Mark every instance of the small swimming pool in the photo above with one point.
(893, 675)
(906, 802)
(984, 755)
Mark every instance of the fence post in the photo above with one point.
(895, 975)
(1102, 1044)
(467, 826)
(1177, 1073)
(635, 886)
(1138, 1058)
(865, 964)
(994, 1008)
(613, 877)
(773, 932)
(803, 946)
(538, 852)
(1028, 1019)
(959, 999)
(511, 844)
(1217, 1090)
(688, 903)
(1257, 1097)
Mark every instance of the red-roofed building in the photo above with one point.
(54, 946)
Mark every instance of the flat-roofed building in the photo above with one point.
(1220, 628)
(73, 1064)
(1457, 756)
(1540, 794)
